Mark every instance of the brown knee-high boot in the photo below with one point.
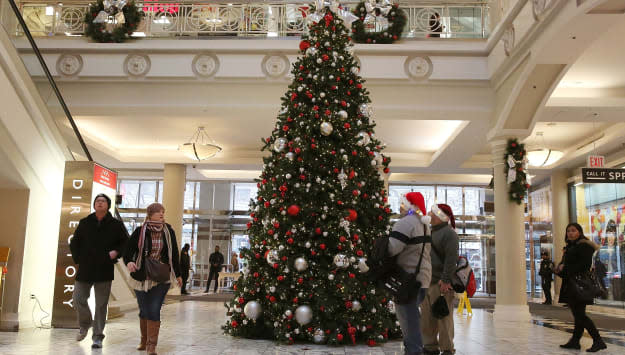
(153, 329)
(143, 324)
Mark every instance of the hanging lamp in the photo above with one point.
(200, 147)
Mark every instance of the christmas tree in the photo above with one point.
(321, 204)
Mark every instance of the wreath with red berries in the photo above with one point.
(517, 189)
(397, 21)
(121, 32)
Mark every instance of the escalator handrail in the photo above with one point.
(44, 66)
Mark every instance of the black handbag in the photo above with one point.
(439, 308)
(156, 270)
(585, 287)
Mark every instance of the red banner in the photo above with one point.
(160, 7)
(104, 176)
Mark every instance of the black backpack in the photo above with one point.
(384, 270)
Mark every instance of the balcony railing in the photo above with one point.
(197, 18)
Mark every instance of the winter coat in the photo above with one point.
(91, 244)
(409, 227)
(546, 270)
(216, 258)
(132, 251)
(577, 259)
(444, 253)
(185, 263)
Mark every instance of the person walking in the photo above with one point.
(216, 261)
(546, 275)
(96, 246)
(185, 266)
(410, 241)
(577, 260)
(153, 261)
(438, 334)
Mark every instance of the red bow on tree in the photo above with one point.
(352, 332)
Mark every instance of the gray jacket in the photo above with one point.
(410, 226)
(444, 253)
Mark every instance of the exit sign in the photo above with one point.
(596, 161)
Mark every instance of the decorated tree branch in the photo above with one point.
(516, 162)
(321, 204)
(379, 21)
(112, 21)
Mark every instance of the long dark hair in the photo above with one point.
(579, 229)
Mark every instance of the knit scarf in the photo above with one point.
(154, 227)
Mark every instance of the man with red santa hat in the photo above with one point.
(410, 241)
(438, 333)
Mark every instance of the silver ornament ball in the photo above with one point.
(252, 310)
(319, 336)
(279, 144)
(301, 264)
(326, 128)
(303, 315)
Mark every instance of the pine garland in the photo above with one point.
(517, 189)
(397, 21)
(122, 32)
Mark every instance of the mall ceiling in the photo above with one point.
(428, 129)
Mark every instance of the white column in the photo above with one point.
(511, 301)
(560, 215)
(174, 181)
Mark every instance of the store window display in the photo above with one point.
(600, 209)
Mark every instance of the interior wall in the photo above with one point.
(13, 213)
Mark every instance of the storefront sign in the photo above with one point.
(598, 176)
(82, 180)
(595, 161)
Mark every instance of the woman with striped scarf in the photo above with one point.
(153, 243)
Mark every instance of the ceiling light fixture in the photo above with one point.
(201, 146)
(543, 156)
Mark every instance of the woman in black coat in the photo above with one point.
(577, 260)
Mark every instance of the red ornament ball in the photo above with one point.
(353, 215)
(234, 324)
(293, 210)
(241, 300)
(304, 45)
(339, 337)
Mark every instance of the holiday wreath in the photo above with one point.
(515, 159)
(379, 21)
(111, 21)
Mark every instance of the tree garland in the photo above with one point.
(515, 161)
(125, 26)
(396, 17)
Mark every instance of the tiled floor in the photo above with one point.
(194, 328)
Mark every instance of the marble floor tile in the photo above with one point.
(195, 328)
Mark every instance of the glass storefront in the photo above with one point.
(600, 210)
(538, 237)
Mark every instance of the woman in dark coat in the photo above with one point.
(155, 243)
(577, 260)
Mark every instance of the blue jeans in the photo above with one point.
(150, 302)
(410, 323)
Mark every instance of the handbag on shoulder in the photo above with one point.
(156, 270)
(586, 287)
